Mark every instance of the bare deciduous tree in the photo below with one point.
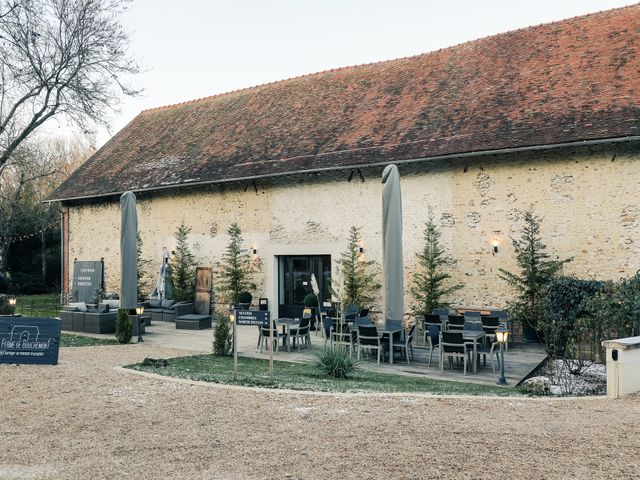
(36, 168)
(59, 58)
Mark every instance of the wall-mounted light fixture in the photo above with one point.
(496, 241)
(254, 250)
(361, 249)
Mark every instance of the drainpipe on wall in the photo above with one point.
(64, 247)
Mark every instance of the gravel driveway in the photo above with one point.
(87, 419)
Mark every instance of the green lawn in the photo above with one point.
(301, 376)
(44, 305)
(70, 340)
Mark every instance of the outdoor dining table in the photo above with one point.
(474, 336)
(287, 324)
(390, 329)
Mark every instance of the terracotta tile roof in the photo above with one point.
(567, 81)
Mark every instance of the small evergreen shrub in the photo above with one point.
(566, 313)
(124, 328)
(536, 271)
(235, 269)
(311, 300)
(222, 337)
(244, 297)
(356, 279)
(431, 282)
(335, 363)
(183, 266)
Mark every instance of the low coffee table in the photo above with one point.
(193, 322)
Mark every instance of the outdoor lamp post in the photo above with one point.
(139, 312)
(502, 334)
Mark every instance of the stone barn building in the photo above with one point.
(547, 116)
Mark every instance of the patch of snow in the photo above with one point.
(303, 410)
(572, 377)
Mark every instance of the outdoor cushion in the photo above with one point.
(112, 303)
(80, 306)
(154, 302)
(167, 303)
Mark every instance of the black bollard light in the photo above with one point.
(502, 334)
(139, 312)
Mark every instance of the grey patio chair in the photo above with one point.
(351, 308)
(406, 344)
(341, 334)
(351, 312)
(473, 317)
(368, 337)
(503, 316)
(455, 322)
(272, 334)
(302, 333)
(431, 319)
(484, 350)
(500, 314)
(364, 321)
(443, 312)
(452, 346)
(490, 324)
(327, 323)
(433, 340)
(480, 350)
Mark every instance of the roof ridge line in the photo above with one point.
(348, 67)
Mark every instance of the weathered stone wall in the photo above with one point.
(589, 199)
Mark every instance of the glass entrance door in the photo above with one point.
(294, 273)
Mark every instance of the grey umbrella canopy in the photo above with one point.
(164, 287)
(393, 284)
(128, 251)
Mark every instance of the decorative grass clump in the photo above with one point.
(335, 363)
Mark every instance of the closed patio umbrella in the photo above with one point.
(393, 285)
(128, 251)
(163, 285)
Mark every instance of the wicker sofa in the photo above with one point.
(78, 318)
(167, 311)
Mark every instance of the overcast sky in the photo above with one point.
(196, 48)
